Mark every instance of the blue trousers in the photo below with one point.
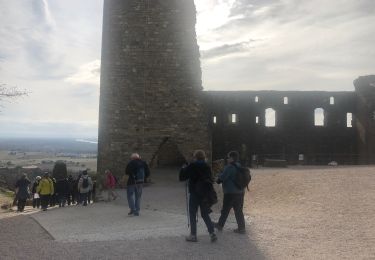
(134, 193)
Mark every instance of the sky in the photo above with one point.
(52, 49)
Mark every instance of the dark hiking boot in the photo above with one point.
(136, 214)
(213, 237)
(218, 227)
(131, 213)
(239, 231)
(191, 238)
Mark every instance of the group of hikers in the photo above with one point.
(49, 192)
(197, 174)
(201, 193)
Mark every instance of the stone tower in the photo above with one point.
(151, 89)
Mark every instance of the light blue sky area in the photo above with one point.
(52, 48)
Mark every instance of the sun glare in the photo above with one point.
(212, 14)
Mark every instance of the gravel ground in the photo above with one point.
(313, 213)
(294, 213)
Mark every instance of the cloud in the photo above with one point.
(45, 47)
(212, 14)
(297, 45)
(226, 49)
(88, 73)
(28, 38)
(48, 129)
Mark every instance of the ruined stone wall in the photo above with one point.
(365, 123)
(150, 93)
(294, 133)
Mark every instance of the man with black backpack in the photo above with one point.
(138, 172)
(84, 186)
(233, 193)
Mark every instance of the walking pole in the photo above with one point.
(187, 203)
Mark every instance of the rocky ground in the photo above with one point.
(293, 213)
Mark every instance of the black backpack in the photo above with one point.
(85, 183)
(140, 174)
(242, 177)
(206, 191)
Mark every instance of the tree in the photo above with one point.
(59, 170)
(11, 92)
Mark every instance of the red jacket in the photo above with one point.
(111, 182)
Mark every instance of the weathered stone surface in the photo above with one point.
(294, 132)
(365, 117)
(150, 83)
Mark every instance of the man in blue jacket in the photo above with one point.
(138, 172)
(233, 196)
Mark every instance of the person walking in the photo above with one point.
(199, 175)
(110, 185)
(84, 186)
(138, 171)
(233, 196)
(45, 190)
(36, 197)
(22, 187)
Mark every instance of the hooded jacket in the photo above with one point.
(227, 177)
(45, 186)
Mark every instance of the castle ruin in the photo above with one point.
(152, 102)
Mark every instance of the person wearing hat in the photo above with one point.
(36, 197)
(45, 190)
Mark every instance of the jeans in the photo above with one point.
(36, 203)
(134, 193)
(62, 200)
(71, 198)
(194, 203)
(112, 194)
(235, 201)
(44, 200)
(79, 197)
(84, 197)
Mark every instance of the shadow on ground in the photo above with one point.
(104, 231)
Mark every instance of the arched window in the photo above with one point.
(214, 119)
(257, 120)
(331, 100)
(233, 118)
(270, 117)
(349, 120)
(285, 100)
(319, 117)
(256, 99)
